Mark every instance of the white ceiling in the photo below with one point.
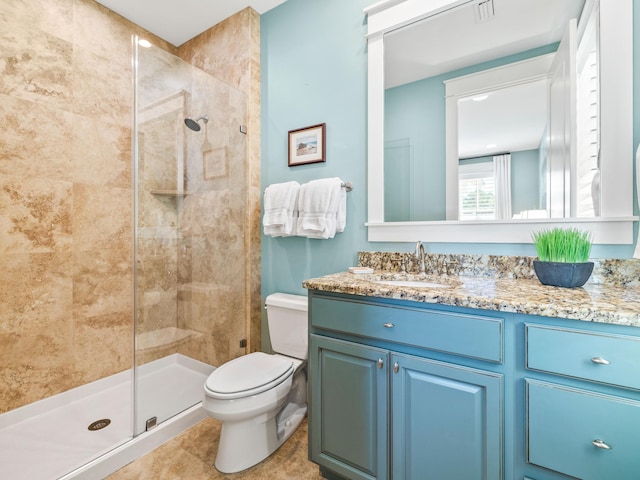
(177, 21)
(507, 120)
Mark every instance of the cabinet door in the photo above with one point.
(446, 421)
(348, 385)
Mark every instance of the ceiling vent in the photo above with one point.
(483, 11)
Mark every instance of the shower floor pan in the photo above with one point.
(50, 438)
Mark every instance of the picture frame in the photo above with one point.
(307, 145)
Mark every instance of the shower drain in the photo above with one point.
(99, 424)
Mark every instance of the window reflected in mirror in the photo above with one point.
(476, 190)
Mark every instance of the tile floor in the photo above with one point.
(190, 456)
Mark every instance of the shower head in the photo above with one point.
(193, 124)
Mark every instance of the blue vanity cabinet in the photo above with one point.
(405, 390)
(582, 402)
(381, 408)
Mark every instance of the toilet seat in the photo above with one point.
(248, 375)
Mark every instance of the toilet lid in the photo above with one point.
(249, 372)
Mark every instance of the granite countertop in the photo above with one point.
(604, 303)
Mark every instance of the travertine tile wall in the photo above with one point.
(66, 296)
(65, 197)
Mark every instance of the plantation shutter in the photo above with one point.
(588, 189)
(476, 191)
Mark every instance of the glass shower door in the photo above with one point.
(188, 150)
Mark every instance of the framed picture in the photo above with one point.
(307, 145)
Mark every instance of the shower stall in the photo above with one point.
(123, 259)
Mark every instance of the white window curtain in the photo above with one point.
(502, 176)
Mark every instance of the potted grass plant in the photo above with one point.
(563, 257)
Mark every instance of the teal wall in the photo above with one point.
(314, 70)
(416, 111)
(525, 180)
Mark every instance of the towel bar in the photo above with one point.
(348, 186)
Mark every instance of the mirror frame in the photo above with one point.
(615, 226)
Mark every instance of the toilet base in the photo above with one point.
(244, 444)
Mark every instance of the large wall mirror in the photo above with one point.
(490, 119)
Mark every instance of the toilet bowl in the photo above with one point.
(261, 398)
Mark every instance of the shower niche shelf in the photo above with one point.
(170, 193)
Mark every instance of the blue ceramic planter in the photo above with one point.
(558, 274)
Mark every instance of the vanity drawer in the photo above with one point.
(569, 430)
(467, 335)
(598, 357)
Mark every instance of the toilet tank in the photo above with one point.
(287, 320)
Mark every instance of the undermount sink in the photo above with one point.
(412, 283)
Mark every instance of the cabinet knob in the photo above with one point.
(396, 367)
(600, 361)
(600, 444)
(388, 325)
(380, 363)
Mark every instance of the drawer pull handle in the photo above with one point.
(396, 367)
(600, 444)
(380, 363)
(388, 325)
(600, 361)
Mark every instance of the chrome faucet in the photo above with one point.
(420, 257)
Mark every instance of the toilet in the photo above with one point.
(261, 398)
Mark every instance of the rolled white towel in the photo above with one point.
(280, 209)
(318, 207)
